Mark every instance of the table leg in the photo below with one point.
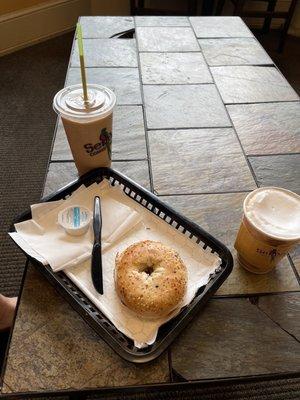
(286, 25)
(238, 9)
(208, 7)
(220, 6)
(268, 19)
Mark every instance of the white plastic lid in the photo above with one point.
(70, 102)
(275, 212)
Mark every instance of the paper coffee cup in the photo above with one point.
(88, 126)
(269, 230)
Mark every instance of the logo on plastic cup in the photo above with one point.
(105, 140)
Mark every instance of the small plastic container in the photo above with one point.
(75, 220)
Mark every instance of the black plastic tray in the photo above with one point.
(168, 332)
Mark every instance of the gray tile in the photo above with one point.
(129, 134)
(284, 310)
(281, 171)
(123, 81)
(61, 150)
(166, 39)
(198, 160)
(62, 173)
(104, 27)
(267, 128)
(161, 21)
(220, 27)
(136, 170)
(234, 51)
(170, 68)
(184, 106)
(295, 255)
(106, 53)
(232, 337)
(66, 353)
(59, 175)
(246, 84)
(129, 141)
(208, 210)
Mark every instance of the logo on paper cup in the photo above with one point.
(105, 140)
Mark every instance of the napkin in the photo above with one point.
(137, 223)
(49, 241)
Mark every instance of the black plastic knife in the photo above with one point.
(96, 263)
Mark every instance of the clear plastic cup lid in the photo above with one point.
(70, 101)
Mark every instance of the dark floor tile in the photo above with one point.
(248, 84)
(271, 128)
(166, 39)
(220, 27)
(106, 53)
(123, 81)
(281, 171)
(104, 27)
(234, 51)
(174, 68)
(184, 106)
(232, 337)
(198, 160)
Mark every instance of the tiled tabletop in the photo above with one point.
(203, 117)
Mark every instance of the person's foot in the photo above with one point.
(7, 311)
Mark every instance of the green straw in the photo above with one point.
(82, 68)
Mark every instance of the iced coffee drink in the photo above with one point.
(88, 124)
(269, 229)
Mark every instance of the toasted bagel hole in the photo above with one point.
(148, 269)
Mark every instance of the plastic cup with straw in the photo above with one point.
(86, 111)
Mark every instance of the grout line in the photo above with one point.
(189, 128)
(233, 127)
(263, 102)
(217, 296)
(105, 66)
(277, 323)
(275, 154)
(113, 160)
(179, 84)
(144, 114)
(262, 65)
(205, 193)
(293, 266)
